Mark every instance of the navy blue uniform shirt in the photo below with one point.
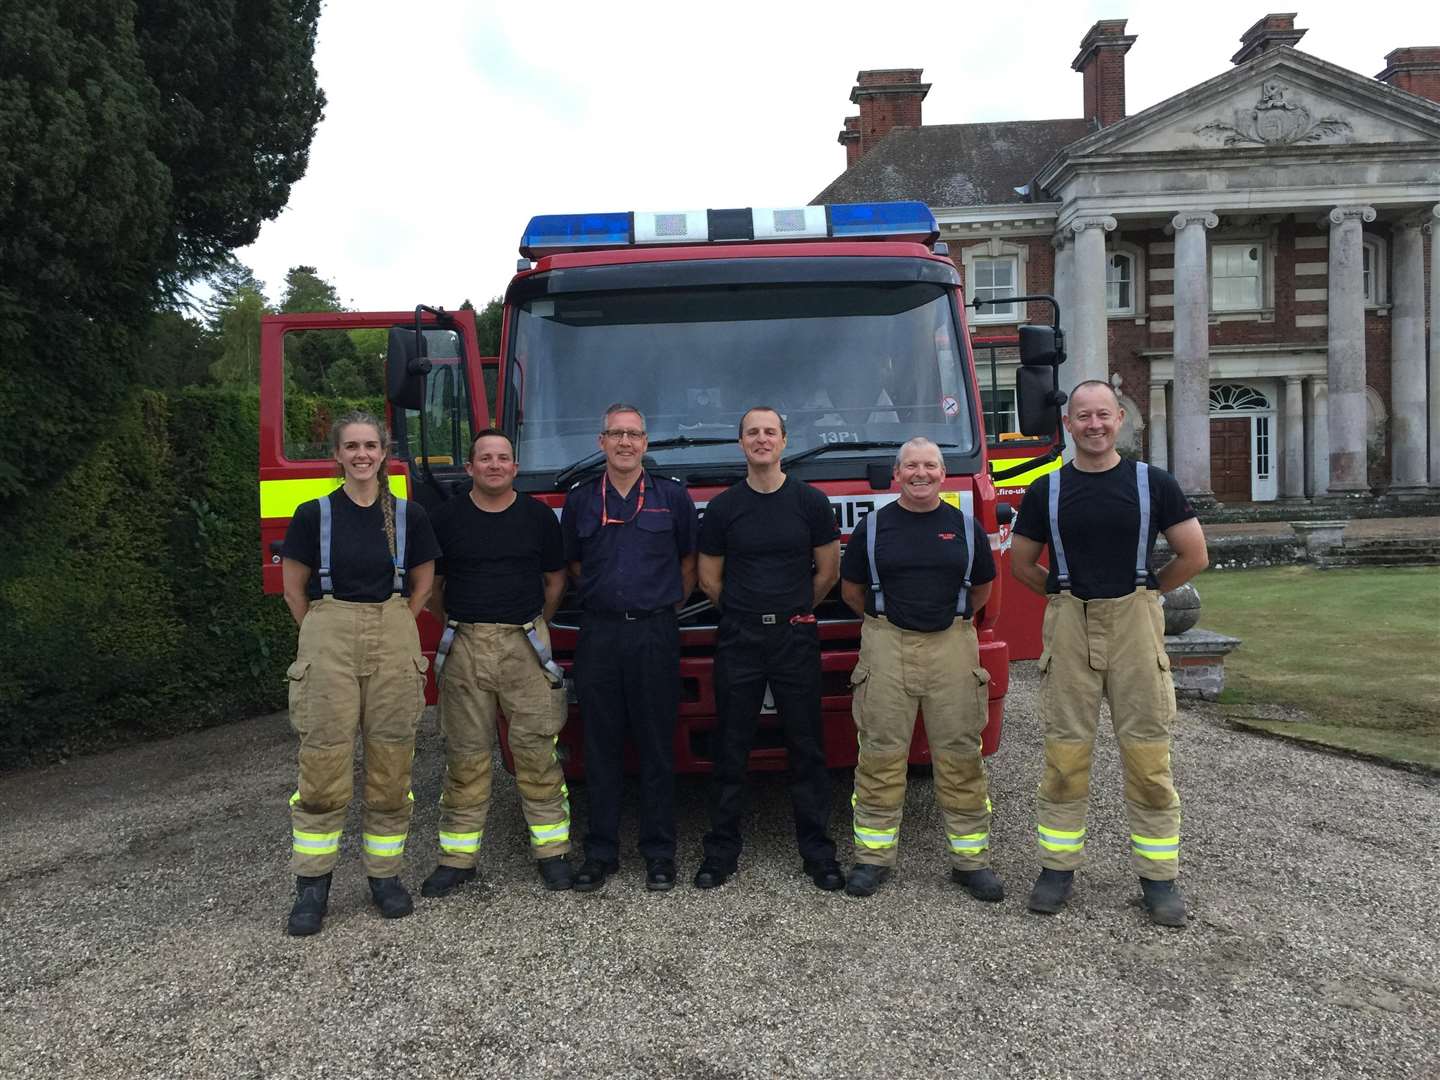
(633, 563)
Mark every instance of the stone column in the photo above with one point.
(1407, 358)
(1089, 336)
(1064, 244)
(1292, 473)
(1159, 427)
(1317, 439)
(1345, 367)
(1192, 353)
(1434, 408)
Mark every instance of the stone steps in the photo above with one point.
(1411, 551)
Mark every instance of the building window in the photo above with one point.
(1372, 271)
(1262, 448)
(1237, 277)
(994, 278)
(999, 406)
(1120, 284)
(1236, 397)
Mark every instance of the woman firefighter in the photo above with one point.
(358, 566)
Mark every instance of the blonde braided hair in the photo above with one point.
(387, 497)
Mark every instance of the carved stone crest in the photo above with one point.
(1274, 121)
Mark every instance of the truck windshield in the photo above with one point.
(843, 363)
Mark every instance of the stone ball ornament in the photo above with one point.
(1182, 609)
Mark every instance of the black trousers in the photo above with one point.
(627, 673)
(749, 655)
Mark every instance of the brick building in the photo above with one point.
(1247, 262)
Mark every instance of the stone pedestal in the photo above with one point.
(1197, 662)
(1318, 537)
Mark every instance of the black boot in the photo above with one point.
(865, 878)
(1164, 901)
(312, 899)
(1052, 889)
(444, 880)
(391, 897)
(982, 884)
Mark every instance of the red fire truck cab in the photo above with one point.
(843, 318)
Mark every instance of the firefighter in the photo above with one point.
(630, 543)
(498, 584)
(769, 553)
(916, 572)
(1104, 637)
(357, 566)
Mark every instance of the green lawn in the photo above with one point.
(1356, 650)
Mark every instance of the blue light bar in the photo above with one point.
(891, 220)
(551, 234)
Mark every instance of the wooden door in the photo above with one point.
(1230, 459)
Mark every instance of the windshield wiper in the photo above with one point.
(832, 447)
(589, 461)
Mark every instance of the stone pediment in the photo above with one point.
(1283, 100)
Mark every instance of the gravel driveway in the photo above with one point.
(142, 895)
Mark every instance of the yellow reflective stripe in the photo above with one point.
(295, 799)
(1155, 847)
(875, 839)
(1061, 839)
(384, 845)
(459, 843)
(550, 834)
(280, 498)
(315, 843)
(969, 842)
(989, 809)
(1025, 479)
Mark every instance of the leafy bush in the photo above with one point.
(130, 601)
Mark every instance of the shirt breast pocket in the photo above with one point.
(656, 531)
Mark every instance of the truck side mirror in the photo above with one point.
(1041, 345)
(406, 364)
(1037, 401)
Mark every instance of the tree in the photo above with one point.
(239, 362)
(488, 321)
(314, 359)
(140, 140)
(177, 351)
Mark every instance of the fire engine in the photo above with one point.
(848, 319)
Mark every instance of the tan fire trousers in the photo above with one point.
(359, 668)
(939, 673)
(1113, 649)
(492, 665)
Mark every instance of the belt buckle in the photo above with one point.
(768, 620)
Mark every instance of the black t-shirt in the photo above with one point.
(494, 561)
(921, 560)
(361, 569)
(1100, 525)
(768, 542)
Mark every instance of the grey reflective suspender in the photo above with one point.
(327, 535)
(326, 532)
(1142, 489)
(1142, 561)
(960, 601)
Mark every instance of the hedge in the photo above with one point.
(130, 599)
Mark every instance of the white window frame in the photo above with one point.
(1377, 292)
(1263, 282)
(1137, 280)
(995, 248)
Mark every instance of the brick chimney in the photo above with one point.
(1102, 61)
(1416, 69)
(850, 139)
(888, 98)
(1271, 32)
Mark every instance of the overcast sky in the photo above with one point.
(451, 123)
